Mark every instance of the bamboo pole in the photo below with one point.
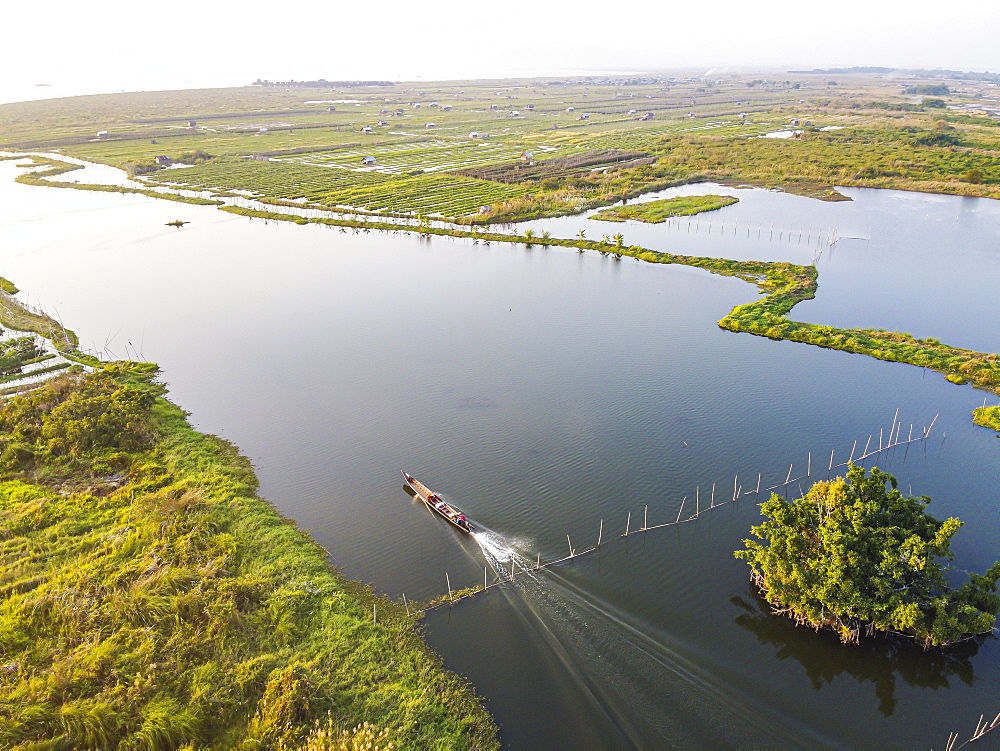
(485, 581)
(788, 477)
(851, 459)
(645, 518)
(809, 463)
(568, 542)
(448, 579)
(628, 522)
(735, 489)
(538, 561)
(600, 533)
(865, 452)
(680, 510)
(406, 605)
(713, 494)
(830, 468)
(512, 567)
(374, 614)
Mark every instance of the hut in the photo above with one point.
(430, 125)
(367, 129)
(163, 159)
(102, 133)
(368, 161)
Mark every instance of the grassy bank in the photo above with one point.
(149, 598)
(988, 417)
(784, 285)
(655, 212)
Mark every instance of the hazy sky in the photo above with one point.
(117, 44)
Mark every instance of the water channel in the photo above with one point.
(543, 391)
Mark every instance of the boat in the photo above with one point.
(437, 504)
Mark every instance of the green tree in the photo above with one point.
(855, 553)
(974, 176)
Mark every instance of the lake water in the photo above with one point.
(544, 391)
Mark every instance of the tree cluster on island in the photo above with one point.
(855, 555)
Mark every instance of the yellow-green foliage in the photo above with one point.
(853, 552)
(988, 417)
(167, 605)
(655, 212)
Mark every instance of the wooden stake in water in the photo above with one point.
(865, 452)
(538, 561)
(512, 567)
(568, 542)
(697, 496)
(448, 580)
(680, 510)
(757, 491)
(628, 522)
(485, 581)
(788, 478)
(600, 533)
(736, 490)
(645, 518)
(809, 464)
(374, 615)
(405, 604)
(880, 439)
(893, 428)
(830, 468)
(851, 458)
(713, 495)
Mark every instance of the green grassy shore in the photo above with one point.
(656, 212)
(149, 599)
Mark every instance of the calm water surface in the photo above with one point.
(544, 391)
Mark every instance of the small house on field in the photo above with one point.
(261, 131)
(571, 109)
(527, 156)
(647, 116)
(430, 125)
(447, 107)
(515, 113)
(331, 109)
(102, 133)
(494, 106)
(433, 104)
(261, 158)
(367, 129)
(400, 111)
(368, 161)
(383, 122)
(474, 134)
(162, 159)
(192, 123)
(529, 106)
(584, 116)
(794, 121)
(632, 112)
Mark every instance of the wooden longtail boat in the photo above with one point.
(437, 504)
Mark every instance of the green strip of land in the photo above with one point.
(149, 598)
(656, 212)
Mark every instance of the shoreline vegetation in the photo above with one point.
(657, 212)
(783, 284)
(150, 599)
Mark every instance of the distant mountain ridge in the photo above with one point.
(921, 72)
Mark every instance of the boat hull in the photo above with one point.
(437, 504)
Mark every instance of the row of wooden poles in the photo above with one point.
(886, 442)
(828, 237)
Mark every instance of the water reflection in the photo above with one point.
(879, 660)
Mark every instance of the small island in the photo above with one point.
(854, 555)
(656, 212)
